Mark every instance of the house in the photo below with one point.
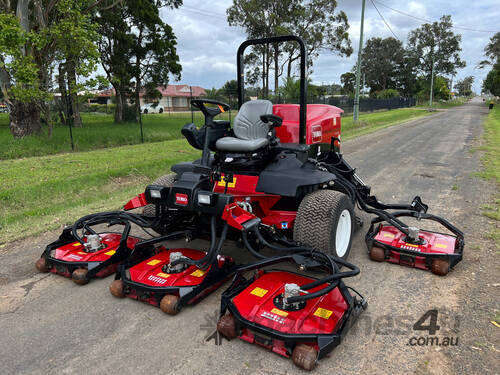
(174, 97)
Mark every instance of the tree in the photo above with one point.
(435, 46)
(321, 27)
(492, 51)
(136, 45)
(230, 91)
(464, 86)
(313, 20)
(440, 88)
(35, 36)
(348, 80)
(492, 81)
(381, 59)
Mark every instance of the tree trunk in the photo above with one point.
(73, 94)
(24, 119)
(63, 103)
(119, 104)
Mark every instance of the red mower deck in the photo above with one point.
(152, 282)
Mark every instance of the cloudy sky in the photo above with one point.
(207, 45)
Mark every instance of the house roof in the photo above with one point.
(170, 90)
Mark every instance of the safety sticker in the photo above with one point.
(323, 313)
(157, 279)
(198, 273)
(441, 246)
(110, 252)
(259, 292)
(74, 257)
(389, 235)
(410, 245)
(82, 253)
(222, 183)
(153, 262)
(77, 244)
(162, 274)
(279, 312)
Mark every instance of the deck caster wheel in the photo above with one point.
(116, 289)
(440, 267)
(79, 276)
(169, 304)
(226, 326)
(377, 254)
(305, 356)
(41, 265)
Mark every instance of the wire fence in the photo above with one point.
(165, 120)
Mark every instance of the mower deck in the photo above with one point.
(150, 281)
(434, 251)
(63, 257)
(255, 314)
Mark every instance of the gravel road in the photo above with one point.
(50, 324)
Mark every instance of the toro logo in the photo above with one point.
(181, 199)
(316, 133)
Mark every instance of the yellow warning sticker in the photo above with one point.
(81, 252)
(323, 313)
(77, 244)
(441, 246)
(153, 262)
(259, 292)
(389, 235)
(162, 274)
(410, 244)
(222, 182)
(110, 252)
(279, 312)
(198, 273)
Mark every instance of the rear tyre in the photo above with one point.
(377, 254)
(79, 276)
(226, 326)
(305, 356)
(325, 220)
(166, 180)
(169, 304)
(41, 265)
(440, 267)
(116, 289)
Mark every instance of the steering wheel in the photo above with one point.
(210, 112)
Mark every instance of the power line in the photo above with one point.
(383, 19)
(202, 12)
(430, 21)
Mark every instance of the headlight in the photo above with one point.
(204, 198)
(156, 194)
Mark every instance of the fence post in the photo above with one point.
(190, 106)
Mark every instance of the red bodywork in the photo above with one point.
(321, 315)
(322, 123)
(150, 273)
(74, 252)
(244, 186)
(437, 243)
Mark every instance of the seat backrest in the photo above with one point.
(247, 123)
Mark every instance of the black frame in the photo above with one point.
(303, 82)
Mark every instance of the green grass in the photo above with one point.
(42, 193)
(443, 104)
(98, 131)
(491, 162)
(371, 122)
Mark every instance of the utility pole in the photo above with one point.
(432, 80)
(358, 67)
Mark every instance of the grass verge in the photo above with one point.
(45, 192)
(491, 162)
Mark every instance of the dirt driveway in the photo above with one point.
(47, 323)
